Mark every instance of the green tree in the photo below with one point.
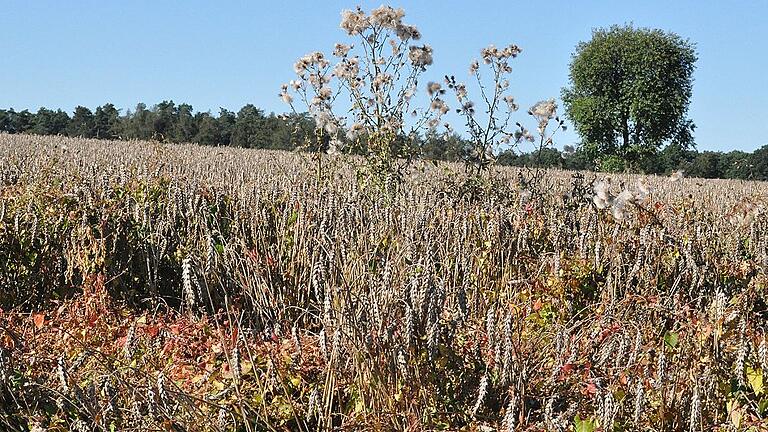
(184, 128)
(164, 121)
(6, 120)
(82, 123)
(737, 164)
(12, 121)
(546, 158)
(226, 120)
(139, 124)
(106, 122)
(249, 128)
(578, 160)
(207, 129)
(674, 157)
(706, 165)
(49, 122)
(437, 146)
(759, 163)
(630, 90)
(278, 133)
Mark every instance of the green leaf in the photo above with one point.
(755, 379)
(293, 218)
(762, 407)
(359, 405)
(671, 339)
(585, 425)
(296, 381)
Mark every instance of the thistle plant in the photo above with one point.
(360, 101)
(489, 122)
(488, 129)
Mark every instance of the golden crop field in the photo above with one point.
(147, 286)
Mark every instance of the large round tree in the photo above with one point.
(629, 94)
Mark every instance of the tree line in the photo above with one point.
(165, 121)
(252, 127)
(735, 164)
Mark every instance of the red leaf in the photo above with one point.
(566, 370)
(8, 342)
(39, 320)
(537, 305)
(151, 330)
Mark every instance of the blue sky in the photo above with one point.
(226, 54)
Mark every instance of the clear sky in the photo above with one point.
(213, 54)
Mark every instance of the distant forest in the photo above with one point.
(251, 127)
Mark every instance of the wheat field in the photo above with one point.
(147, 286)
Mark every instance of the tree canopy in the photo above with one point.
(629, 94)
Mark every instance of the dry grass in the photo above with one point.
(157, 287)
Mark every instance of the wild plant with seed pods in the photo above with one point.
(361, 97)
(488, 119)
